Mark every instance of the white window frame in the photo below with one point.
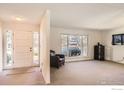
(67, 43)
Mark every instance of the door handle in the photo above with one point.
(30, 49)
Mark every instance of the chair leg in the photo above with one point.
(58, 66)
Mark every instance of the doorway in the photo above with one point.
(22, 49)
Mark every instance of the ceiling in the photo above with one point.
(88, 16)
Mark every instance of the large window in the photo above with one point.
(74, 45)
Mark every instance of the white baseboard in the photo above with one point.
(120, 62)
(11, 68)
(73, 60)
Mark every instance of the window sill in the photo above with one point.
(68, 59)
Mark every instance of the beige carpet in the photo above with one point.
(22, 76)
(88, 73)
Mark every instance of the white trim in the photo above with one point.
(81, 42)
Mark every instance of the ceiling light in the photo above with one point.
(19, 19)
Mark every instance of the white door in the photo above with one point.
(23, 55)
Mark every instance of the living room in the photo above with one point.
(63, 46)
(99, 23)
(71, 30)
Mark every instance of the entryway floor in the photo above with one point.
(22, 76)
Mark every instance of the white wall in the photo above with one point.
(55, 39)
(1, 48)
(17, 27)
(45, 46)
(113, 52)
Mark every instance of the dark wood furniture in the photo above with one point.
(99, 52)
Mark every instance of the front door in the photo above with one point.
(23, 55)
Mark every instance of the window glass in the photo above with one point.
(74, 45)
(9, 47)
(36, 47)
(64, 45)
(84, 45)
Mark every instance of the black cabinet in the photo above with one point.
(99, 52)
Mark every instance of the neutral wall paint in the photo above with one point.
(16, 27)
(45, 46)
(55, 40)
(113, 52)
(1, 48)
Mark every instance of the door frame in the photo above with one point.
(5, 50)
